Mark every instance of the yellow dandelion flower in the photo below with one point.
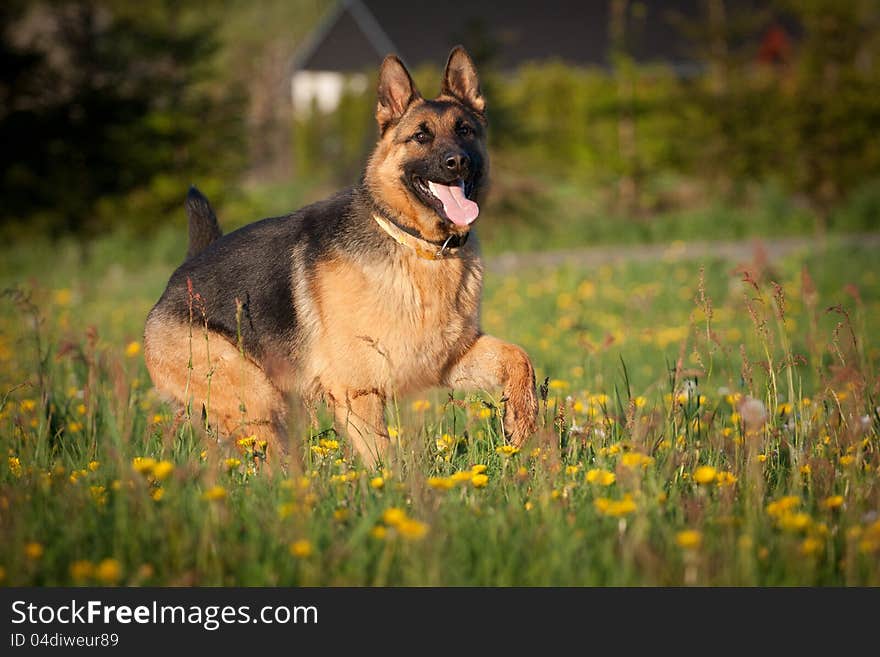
(143, 464)
(132, 349)
(636, 460)
(806, 469)
(478, 468)
(232, 463)
(507, 450)
(393, 432)
(615, 508)
(412, 530)
(444, 442)
(94, 465)
(14, 466)
(247, 441)
(528, 506)
(63, 296)
(640, 401)
(99, 495)
(810, 546)
(162, 469)
(794, 522)
(33, 550)
(301, 549)
(74, 427)
(461, 477)
(572, 469)
(601, 477)
(214, 493)
(81, 570)
(705, 474)
(689, 539)
(833, 502)
(157, 493)
(393, 516)
(724, 478)
(329, 444)
(109, 571)
(783, 505)
(379, 532)
(484, 413)
(479, 480)
(318, 450)
(377, 483)
(847, 460)
(340, 515)
(441, 483)
(420, 405)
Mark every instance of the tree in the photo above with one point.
(102, 101)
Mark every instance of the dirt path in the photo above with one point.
(742, 251)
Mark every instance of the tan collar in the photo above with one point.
(423, 248)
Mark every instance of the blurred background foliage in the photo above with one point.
(109, 110)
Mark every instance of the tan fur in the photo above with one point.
(386, 328)
(492, 362)
(366, 328)
(236, 394)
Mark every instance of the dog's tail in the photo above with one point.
(203, 226)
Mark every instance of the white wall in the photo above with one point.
(323, 88)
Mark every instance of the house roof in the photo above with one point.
(357, 34)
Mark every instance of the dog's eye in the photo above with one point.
(421, 137)
(465, 130)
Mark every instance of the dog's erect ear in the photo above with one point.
(396, 92)
(460, 80)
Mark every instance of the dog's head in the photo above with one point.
(429, 170)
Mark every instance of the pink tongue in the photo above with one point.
(460, 210)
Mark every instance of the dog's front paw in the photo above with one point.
(520, 413)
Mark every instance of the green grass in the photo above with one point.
(646, 380)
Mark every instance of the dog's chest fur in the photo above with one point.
(389, 325)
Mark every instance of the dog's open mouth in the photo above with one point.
(449, 201)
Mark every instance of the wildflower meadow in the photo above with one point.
(702, 422)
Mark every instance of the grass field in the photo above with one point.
(703, 424)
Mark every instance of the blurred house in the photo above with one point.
(357, 34)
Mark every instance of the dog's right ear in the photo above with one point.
(397, 91)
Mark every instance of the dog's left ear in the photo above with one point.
(460, 80)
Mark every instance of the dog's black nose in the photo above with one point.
(457, 162)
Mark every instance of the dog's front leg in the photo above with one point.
(361, 415)
(489, 363)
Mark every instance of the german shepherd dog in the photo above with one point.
(371, 292)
